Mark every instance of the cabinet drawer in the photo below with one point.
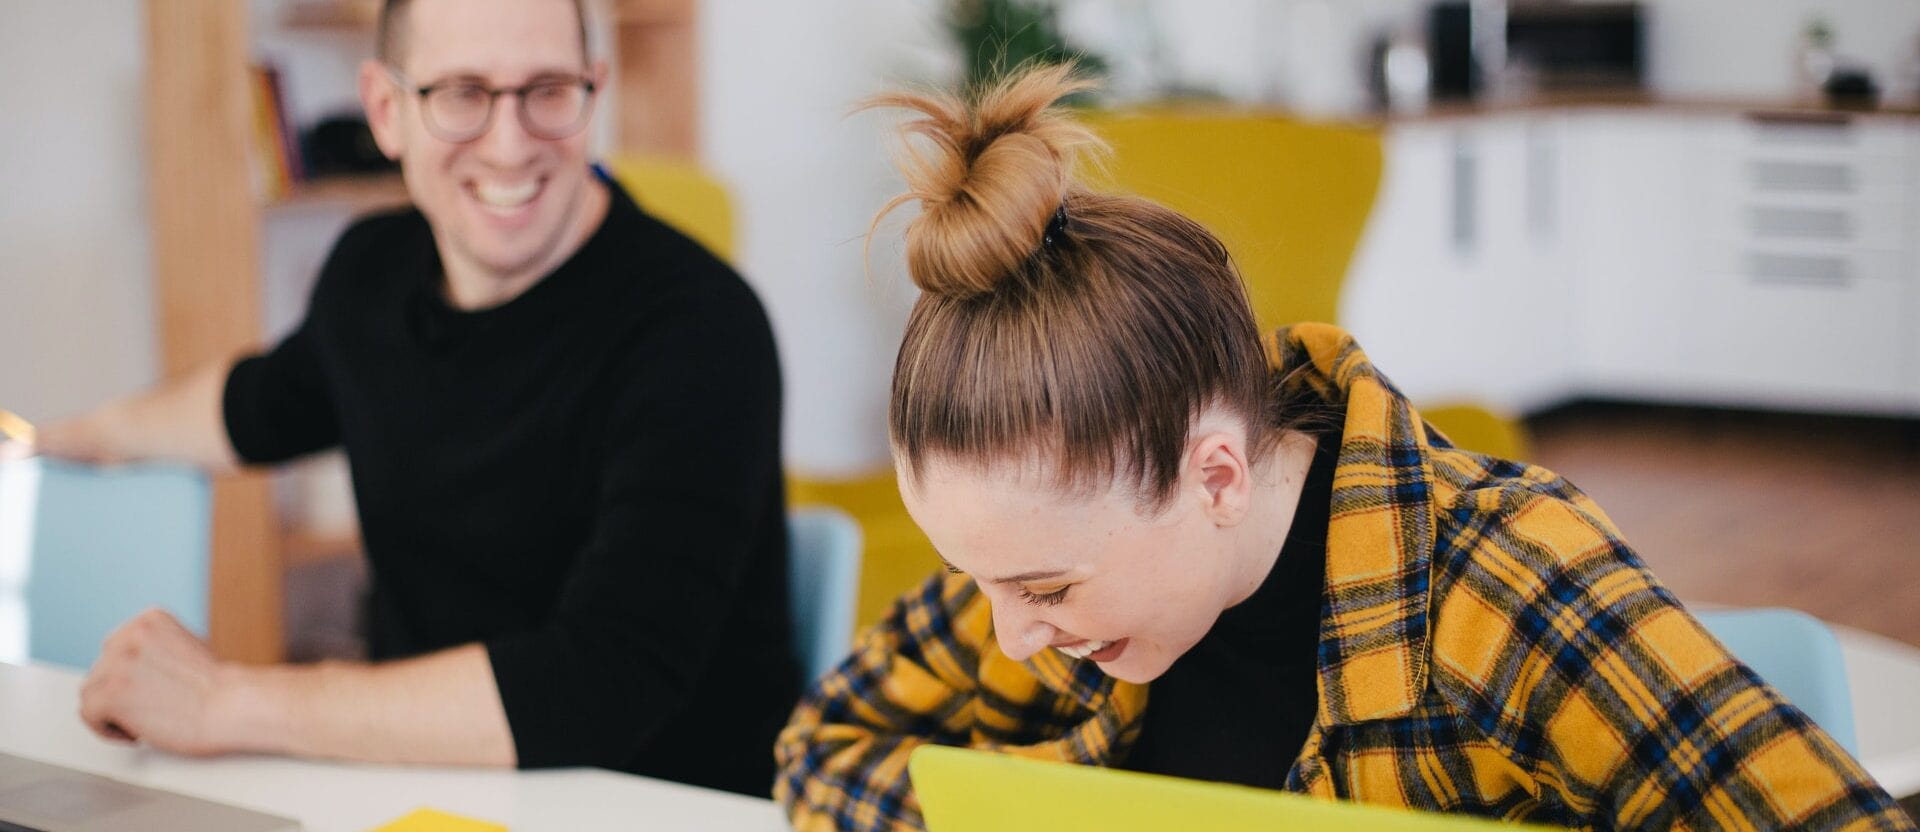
(1803, 340)
(1816, 136)
(1846, 224)
(1764, 176)
(1808, 264)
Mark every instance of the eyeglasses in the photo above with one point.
(460, 110)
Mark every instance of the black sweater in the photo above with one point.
(586, 479)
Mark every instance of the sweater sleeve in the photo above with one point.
(691, 459)
(276, 404)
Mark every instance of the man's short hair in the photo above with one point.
(390, 47)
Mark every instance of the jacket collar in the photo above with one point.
(1375, 617)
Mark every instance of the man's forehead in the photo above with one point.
(511, 38)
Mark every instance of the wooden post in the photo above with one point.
(658, 77)
(206, 230)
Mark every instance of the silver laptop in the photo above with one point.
(38, 797)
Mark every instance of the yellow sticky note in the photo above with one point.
(14, 427)
(434, 820)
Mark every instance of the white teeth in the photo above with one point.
(506, 196)
(1083, 649)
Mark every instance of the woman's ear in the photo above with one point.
(1217, 469)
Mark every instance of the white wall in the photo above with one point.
(777, 83)
(76, 319)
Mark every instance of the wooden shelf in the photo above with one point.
(301, 546)
(363, 192)
(332, 15)
(652, 12)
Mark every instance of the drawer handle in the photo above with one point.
(1800, 223)
(1799, 269)
(1802, 129)
(1801, 177)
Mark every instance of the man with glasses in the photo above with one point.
(562, 419)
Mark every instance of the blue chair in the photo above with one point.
(823, 584)
(1798, 656)
(92, 547)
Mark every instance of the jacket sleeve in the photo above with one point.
(1617, 702)
(910, 681)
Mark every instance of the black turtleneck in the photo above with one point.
(1237, 707)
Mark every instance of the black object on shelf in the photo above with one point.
(1852, 88)
(343, 145)
(1579, 46)
(1457, 73)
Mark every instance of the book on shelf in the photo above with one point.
(277, 163)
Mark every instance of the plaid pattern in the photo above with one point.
(1489, 645)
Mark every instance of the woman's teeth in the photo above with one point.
(1083, 649)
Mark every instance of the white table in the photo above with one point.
(39, 720)
(1884, 677)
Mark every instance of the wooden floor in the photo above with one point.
(1820, 514)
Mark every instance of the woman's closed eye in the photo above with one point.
(1044, 599)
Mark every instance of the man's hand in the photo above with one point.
(75, 440)
(16, 437)
(158, 684)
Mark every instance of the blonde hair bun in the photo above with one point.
(989, 174)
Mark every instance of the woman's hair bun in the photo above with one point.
(989, 174)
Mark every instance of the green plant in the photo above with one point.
(997, 35)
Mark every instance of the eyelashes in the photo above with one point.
(1044, 599)
(1041, 599)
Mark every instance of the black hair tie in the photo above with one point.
(1056, 227)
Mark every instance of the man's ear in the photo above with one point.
(380, 95)
(1216, 467)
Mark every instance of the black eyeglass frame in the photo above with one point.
(519, 94)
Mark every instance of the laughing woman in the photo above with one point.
(1178, 547)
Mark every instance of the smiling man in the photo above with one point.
(562, 419)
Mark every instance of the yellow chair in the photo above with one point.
(896, 555)
(681, 195)
(1290, 200)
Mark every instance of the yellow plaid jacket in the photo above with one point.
(1489, 645)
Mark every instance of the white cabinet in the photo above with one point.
(1633, 213)
(1806, 278)
(1690, 257)
(1910, 332)
(1456, 290)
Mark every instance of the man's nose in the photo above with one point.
(506, 142)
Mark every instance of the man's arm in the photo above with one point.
(179, 420)
(158, 684)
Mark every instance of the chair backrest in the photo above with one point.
(1289, 198)
(682, 195)
(823, 581)
(84, 549)
(1798, 656)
